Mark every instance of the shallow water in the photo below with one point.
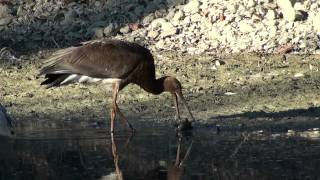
(151, 154)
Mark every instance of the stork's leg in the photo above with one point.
(115, 109)
(178, 153)
(175, 99)
(115, 90)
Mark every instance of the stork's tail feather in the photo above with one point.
(52, 62)
(54, 80)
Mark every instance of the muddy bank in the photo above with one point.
(237, 90)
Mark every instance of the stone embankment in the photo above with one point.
(195, 26)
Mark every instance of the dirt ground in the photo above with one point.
(240, 90)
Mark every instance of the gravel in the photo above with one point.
(195, 26)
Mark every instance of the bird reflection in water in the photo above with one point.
(174, 171)
(116, 158)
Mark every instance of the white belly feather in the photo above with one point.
(86, 79)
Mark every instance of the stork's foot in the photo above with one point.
(184, 125)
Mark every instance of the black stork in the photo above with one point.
(111, 61)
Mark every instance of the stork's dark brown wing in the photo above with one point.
(99, 59)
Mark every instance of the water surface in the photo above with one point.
(152, 154)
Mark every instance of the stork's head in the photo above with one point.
(172, 85)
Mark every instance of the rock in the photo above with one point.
(153, 34)
(195, 17)
(4, 11)
(125, 30)
(271, 14)
(251, 3)
(296, 40)
(314, 6)
(177, 17)
(272, 31)
(245, 27)
(284, 4)
(298, 75)
(98, 32)
(289, 26)
(160, 44)
(299, 6)
(158, 22)
(5, 21)
(284, 39)
(197, 26)
(232, 8)
(148, 19)
(213, 67)
(289, 14)
(134, 26)
(303, 45)
(192, 6)
(285, 48)
(108, 30)
(160, 13)
(187, 20)
(317, 52)
(230, 93)
(214, 34)
(170, 14)
(168, 29)
(287, 10)
(316, 22)
(20, 11)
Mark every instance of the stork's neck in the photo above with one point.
(154, 86)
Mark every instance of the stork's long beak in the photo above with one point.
(181, 98)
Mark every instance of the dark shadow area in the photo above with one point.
(310, 112)
(61, 23)
(297, 119)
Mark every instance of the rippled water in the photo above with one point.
(152, 154)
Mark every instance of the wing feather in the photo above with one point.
(101, 59)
